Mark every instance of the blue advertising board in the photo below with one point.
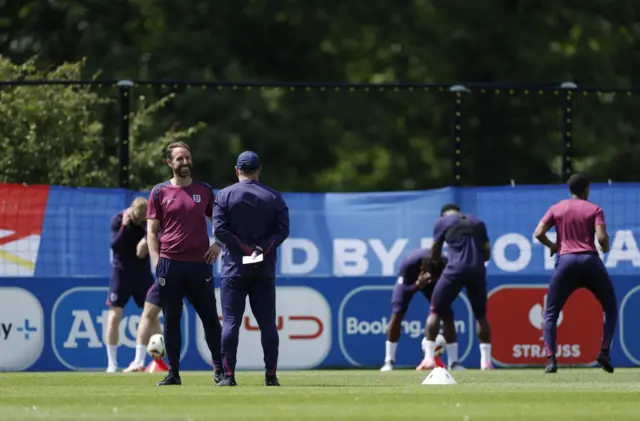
(363, 316)
(64, 232)
(79, 324)
(52, 324)
(336, 273)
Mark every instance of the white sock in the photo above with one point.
(112, 355)
(485, 353)
(391, 351)
(141, 353)
(430, 350)
(452, 353)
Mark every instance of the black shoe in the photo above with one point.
(605, 362)
(271, 381)
(552, 366)
(170, 380)
(227, 381)
(218, 376)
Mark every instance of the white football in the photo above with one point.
(440, 345)
(155, 348)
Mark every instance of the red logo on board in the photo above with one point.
(22, 210)
(516, 314)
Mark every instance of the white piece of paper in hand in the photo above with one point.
(254, 258)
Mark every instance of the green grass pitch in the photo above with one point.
(571, 394)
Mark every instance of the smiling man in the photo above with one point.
(179, 248)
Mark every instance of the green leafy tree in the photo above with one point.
(48, 134)
(147, 148)
(343, 141)
(54, 134)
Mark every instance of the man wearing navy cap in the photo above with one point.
(251, 220)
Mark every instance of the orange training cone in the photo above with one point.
(157, 366)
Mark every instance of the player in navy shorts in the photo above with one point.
(131, 270)
(418, 272)
(469, 249)
(149, 325)
(577, 222)
(180, 250)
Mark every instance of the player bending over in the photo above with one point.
(577, 222)
(469, 248)
(418, 272)
(131, 270)
(149, 325)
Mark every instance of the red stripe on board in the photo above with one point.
(22, 210)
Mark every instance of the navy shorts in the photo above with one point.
(124, 285)
(153, 295)
(448, 288)
(401, 297)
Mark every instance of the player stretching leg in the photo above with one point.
(577, 222)
(149, 325)
(418, 272)
(131, 273)
(469, 248)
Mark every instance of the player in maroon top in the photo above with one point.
(577, 222)
(180, 252)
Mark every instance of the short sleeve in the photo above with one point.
(154, 210)
(439, 230)
(599, 217)
(548, 219)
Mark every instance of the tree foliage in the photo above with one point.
(55, 134)
(49, 134)
(338, 141)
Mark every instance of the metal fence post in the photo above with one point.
(456, 159)
(125, 109)
(567, 129)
